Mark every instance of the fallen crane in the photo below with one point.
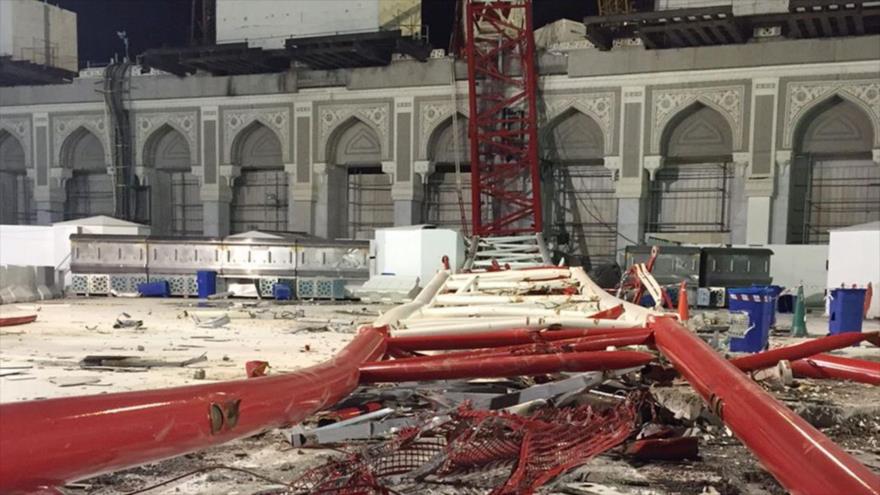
(109, 432)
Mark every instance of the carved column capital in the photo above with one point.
(652, 164)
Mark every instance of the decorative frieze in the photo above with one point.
(237, 119)
(727, 100)
(64, 125)
(376, 115)
(184, 122)
(601, 107)
(802, 96)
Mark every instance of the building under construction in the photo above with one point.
(318, 250)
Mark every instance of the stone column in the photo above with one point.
(301, 204)
(406, 192)
(761, 170)
(630, 190)
(215, 192)
(49, 193)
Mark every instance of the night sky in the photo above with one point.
(158, 23)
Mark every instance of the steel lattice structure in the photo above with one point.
(503, 134)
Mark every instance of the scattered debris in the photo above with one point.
(135, 362)
(74, 381)
(199, 374)
(124, 321)
(216, 322)
(254, 369)
(8, 321)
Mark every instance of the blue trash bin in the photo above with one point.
(755, 302)
(846, 310)
(775, 290)
(281, 292)
(206, 281)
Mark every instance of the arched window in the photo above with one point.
(691, 193)
(833, 182)
(259, 194)
(578, 191)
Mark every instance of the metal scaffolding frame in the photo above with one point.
(696, 194)
(838, 194)
(270, 186)
(366, 212)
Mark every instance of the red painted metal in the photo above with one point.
(612, 313)
(46, 443)
(798, 455)
(837, 368)
(500, 338)
(581, 344)
(809, 348)
(9, 321)
(503, 129)
(500, 366)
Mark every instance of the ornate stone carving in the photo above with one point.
(275, 118)
(184, 122)
(727, 100)
(802, 96)
(613, 163)
(431, 115)
(424, 168)
(376, 115)
(64, 125)
(19, 126)
(875, 155)
(601, 107)
(653, 164)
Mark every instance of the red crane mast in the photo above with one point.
(503, 131)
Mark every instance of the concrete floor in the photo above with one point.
(67, 330)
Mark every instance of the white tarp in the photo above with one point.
(854, 258)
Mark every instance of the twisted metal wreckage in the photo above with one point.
(496, 324)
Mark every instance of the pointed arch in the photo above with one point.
(175, 208)
(260, 192)
(573, 136)
(83, 150)
(16, 188)
(441, 142)
(89, 191)
(167, 147)
(698, 132)
(12, 152)
(805, 101)
(257, 146)
(354, 143)
(834, 125)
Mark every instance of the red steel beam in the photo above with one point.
(809, 348)
(837, 368)
(621, 338)
(500, 366)
(46, 443)
(500, 338)
(798, 455)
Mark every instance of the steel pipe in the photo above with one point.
(582, 344)
(809, 348)
(425, 297)
(500, 366)
(46, 443)
(799, 456)
(837, 368)
(441, 342)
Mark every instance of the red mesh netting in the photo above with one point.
(534, 449)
